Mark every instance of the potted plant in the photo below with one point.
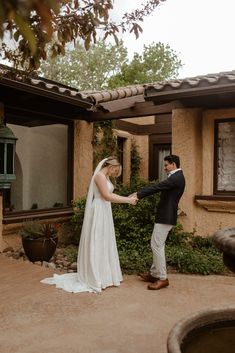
(39, 240)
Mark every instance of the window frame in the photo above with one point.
(215, 181)
(17, 216)
(155, 147)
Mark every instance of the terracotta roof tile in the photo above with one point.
(134, 92)
(119, 93)
(222, 78)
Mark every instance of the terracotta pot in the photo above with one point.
(190, 328)
(39, 249)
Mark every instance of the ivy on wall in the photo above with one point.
(135, 161)
(104, 141)
(105, 144)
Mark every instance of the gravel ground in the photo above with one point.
(59, 261)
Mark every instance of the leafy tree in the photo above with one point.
(32, 24)
(86, 70)
(106, 66)
(157, 62)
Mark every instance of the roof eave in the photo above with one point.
(84, 103)
(152, 94)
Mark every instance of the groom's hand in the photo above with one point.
(133, 194)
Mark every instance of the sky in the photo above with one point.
(201, 32)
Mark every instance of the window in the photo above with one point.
(43, 168)
(159, 152)
(224, 177)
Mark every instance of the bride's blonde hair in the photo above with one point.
(113, 161)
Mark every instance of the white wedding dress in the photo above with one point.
(98, 262)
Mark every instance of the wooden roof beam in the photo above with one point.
(139, 109)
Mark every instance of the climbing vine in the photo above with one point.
(135, 161)
(104, 141)
(105, 144)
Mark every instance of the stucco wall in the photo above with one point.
(193, 141)
(143, 149)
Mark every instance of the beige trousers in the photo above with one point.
(159, 235)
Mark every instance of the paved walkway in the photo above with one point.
(38, 318)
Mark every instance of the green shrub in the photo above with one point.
(189, 253)
(71, 253)
(185, 252)
(77, 220)
(35, 230)
(133, 228)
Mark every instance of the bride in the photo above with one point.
(98, 262)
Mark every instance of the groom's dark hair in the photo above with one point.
(172, 158)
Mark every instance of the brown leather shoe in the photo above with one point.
(147, 277)
(161, 283)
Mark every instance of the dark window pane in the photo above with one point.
(9, 158)
(1, 158)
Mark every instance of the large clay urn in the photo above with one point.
(224, 240)
(211, 330)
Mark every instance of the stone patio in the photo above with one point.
(129, 319)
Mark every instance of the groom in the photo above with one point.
(171, 190)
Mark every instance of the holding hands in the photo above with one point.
(133, 198)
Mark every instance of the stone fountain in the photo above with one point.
(212, 330)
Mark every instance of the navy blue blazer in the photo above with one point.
(171, 190)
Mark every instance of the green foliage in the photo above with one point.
(105, 144)
(193, 254)
(71, 253)
(86, 70)
(185, 252)
(35, 230)
(157, 62)
(135, 160)
(77, 220)
(29, 25)
(106, 66)
(104, 141)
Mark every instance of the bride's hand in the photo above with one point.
(133, 200)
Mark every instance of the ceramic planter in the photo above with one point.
(39, 249)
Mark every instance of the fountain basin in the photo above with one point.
(206, 331)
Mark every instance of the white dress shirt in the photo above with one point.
(173, 172)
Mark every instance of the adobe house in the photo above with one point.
(198, 117)
(53, 124)
(203, 135)
(54, 154)
(50, 162)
